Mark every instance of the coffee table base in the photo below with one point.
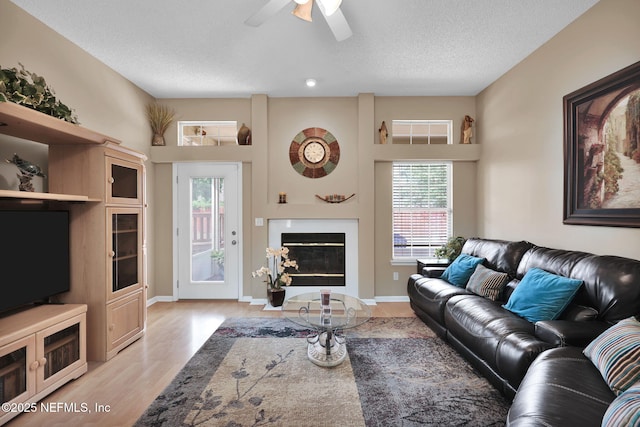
(326, 352)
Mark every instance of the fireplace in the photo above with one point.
(321, 258)
(325, 249)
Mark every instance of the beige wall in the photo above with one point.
(103, 100)
(520, 126)
(518, 193)
(268, 171)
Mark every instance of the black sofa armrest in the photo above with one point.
(433, 272)
(561, 333)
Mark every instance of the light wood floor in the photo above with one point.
(128, 383)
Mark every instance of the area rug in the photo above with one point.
(255, 372)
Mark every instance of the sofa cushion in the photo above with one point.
(461, 269)
(579, 313)
(609, 281)
(561, 388)
(503, 340)
(616, 354)
(487, 283)
(499, 255)
(542, 295)
(624, 410)
(430, 295)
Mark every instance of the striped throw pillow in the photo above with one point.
(486, 282)
(616, 354)
(624, 410)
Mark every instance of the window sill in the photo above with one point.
(408, 261)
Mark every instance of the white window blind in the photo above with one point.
(421, 208)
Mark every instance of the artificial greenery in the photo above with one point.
(451, 249)
(31, 90)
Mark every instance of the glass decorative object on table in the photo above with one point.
(328, 314)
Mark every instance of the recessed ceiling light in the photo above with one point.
(311, 82)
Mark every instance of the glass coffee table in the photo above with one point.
(328, 313)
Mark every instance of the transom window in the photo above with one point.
(421, 131)
(196, 133)
(422, 212)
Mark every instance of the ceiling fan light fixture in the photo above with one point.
(329, 6)
(303, 10)
(310, 82)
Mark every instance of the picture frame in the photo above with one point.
(602, 151)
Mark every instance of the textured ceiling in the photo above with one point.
(203, 48)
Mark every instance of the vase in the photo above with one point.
(275, 296)
(157, 140)
(244, 135)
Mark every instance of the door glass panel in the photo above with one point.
(207, 229)
(13, 374)
(125, 248)
(61, 349)
(125, 182)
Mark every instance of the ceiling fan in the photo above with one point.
(330, 9)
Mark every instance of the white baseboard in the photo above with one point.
(392, 299)
(154, 300)
(263, 301)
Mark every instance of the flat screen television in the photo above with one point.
(35, 261)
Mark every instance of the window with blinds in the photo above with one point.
(421, 208)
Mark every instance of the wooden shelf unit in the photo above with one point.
(110, 233)
(41, 349)
(86, 166)
(23, 195)
(26, 123)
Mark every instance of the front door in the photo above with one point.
(208, 221)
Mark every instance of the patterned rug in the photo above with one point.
(255, 372)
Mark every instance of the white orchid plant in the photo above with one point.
(276, 276)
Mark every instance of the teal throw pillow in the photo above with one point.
(616, 354)
(624, 410)
(541, 295)
(461, 269)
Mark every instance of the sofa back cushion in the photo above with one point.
(500, 255)
(611, 284)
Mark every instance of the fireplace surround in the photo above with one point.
(331, 246)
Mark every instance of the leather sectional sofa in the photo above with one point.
(564, 387)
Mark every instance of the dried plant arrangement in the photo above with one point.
(160, 117)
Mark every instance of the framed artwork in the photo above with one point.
(602, 151)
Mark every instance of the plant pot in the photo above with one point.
(157, 140)
(275, 296)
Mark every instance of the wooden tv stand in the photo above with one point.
(41, 349)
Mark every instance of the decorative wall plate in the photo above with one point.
(314, 152)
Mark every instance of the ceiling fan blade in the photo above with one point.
(338, 25)
(266, 12)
